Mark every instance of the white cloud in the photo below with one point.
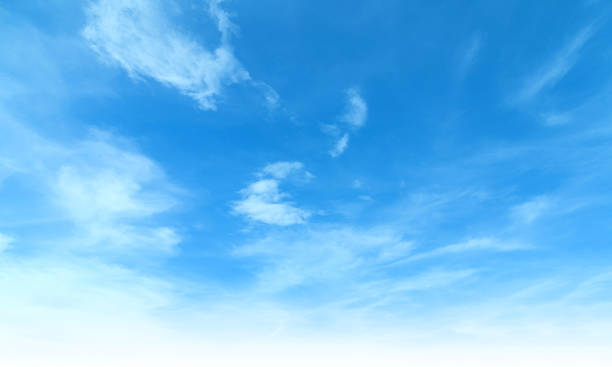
(102, 187)
(355, 115)
(530, 211)
(264, 202)
(105, 190)
(553, 72)
(356, 111)
(136, 35)
(340, 146)
(5, 242)
(281, 170)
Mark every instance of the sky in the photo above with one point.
(209, 182)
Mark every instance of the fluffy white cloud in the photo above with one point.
(264, 202)
(356, 111)
(136, 35)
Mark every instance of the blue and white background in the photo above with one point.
(191, 183)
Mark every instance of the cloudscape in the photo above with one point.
(305, 183)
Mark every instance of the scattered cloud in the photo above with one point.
(264, 202)
(355, 115)
(340, 146)
(137, 36)
(549, 75)
(5, 242)
(356, 110)
(281, 170)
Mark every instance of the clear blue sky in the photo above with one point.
(409, 173)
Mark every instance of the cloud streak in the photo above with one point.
(552, 73)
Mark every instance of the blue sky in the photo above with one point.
(235, 175)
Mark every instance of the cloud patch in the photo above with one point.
(356, 110)
(263, 201)
(5, 242)
(355, 115)
(136, 35)
(340, 146)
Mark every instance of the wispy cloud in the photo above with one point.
(483, 243)
(264, 202)
(530, 211)
(355, 115)
(473, 244)
(340, 146)
(282, 170)
(137, 36)
(469, 55)
(324, 254)
(106, 190)
(356, 110)
(550, 74)
(432, 279)
(5, 242)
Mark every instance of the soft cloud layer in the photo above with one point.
(328, 255)
(264, 202)
(101, 186)
(138, 36)
(106, 190)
